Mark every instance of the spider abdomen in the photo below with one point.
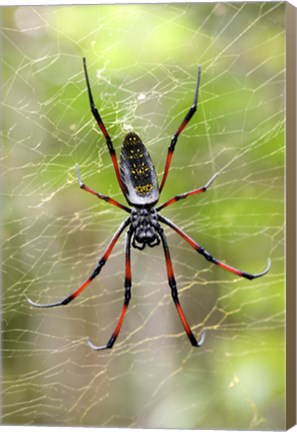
(138, 172)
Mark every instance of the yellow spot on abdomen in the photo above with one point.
(144, 188)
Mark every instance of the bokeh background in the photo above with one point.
(142, 64)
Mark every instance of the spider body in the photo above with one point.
(141, 191)
(138, 173)
(138, 181)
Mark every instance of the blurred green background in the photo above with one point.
(142, 63)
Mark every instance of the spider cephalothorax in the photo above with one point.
(138, 181)
(145, 227)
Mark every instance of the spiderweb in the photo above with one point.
(142, 63)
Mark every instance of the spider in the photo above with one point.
(138, 181)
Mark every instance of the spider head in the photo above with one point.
(145, 227)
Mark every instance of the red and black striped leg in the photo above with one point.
(99, 195)
(99, 120)
(127, 298)
(186, 194)
(95, 273)
(172, 284)
(209, 257)
(183, 124)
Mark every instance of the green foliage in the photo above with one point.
(142, 63)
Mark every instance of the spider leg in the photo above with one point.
(127, 298)
(100, 123)
(186, 194)
(99, 195)
(209, 257)
(174, 294)
(183, 124)
(95, 272)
